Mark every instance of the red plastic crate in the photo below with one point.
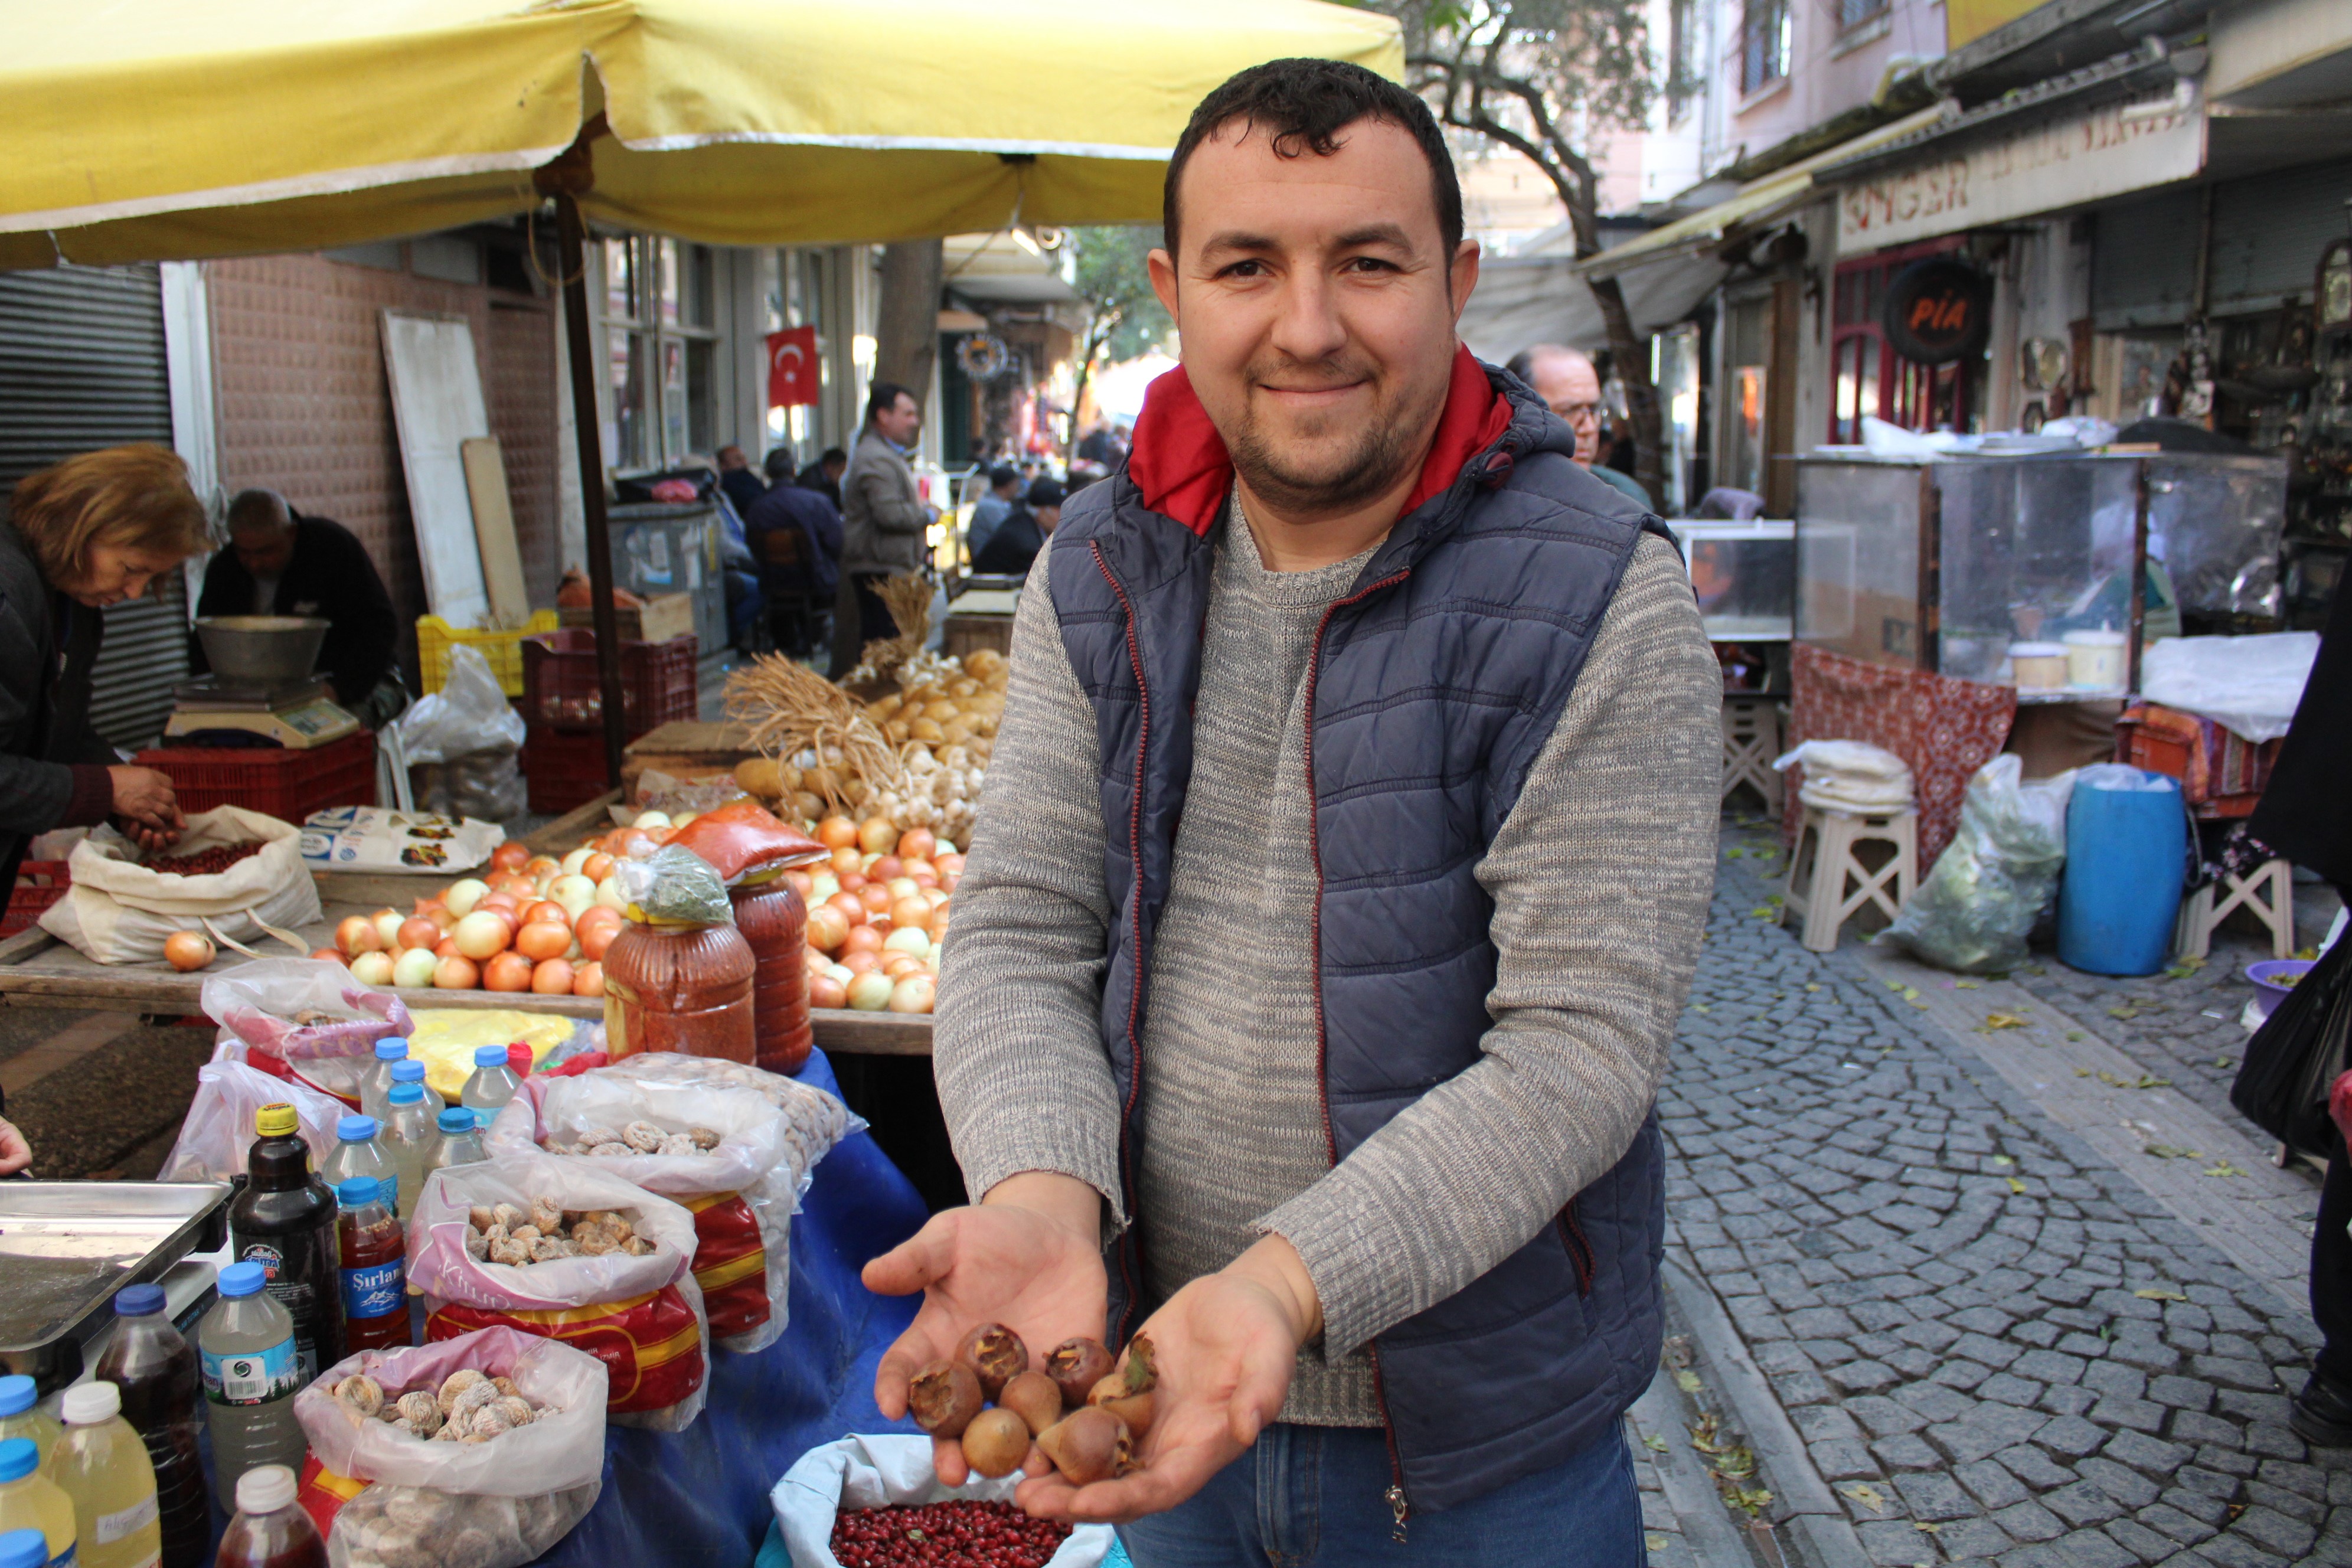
(39, 884)
(287, 783)
(564, 768)
(559, 689)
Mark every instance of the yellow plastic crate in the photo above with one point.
(436, 637)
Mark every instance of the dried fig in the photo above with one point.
(480, 1218)
(704, 1137)
(995, 1443)
(642, 1136)
(361, 1393)
(525, 1233)
(508, 1214)
(514, 1410)
(615, 1150)
(996, 1353)
(455, 1383)
(509, 1252)
(478, 1245)
(943, 1398)
(1034, 1397)
(678, 1145)
(473, 1397)
(1076, 1366)
(550, 1249)
(505, 1385)
(422, 1412)
(1087, 1445)
(639, 1247)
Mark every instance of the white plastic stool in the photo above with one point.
(1825, 862)
(1751, 739)
(2268, 891)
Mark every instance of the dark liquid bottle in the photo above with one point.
(270, 1529)
(155, 1366)
(374, 1271)
(285, 1221)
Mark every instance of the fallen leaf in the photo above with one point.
(1761, 913)
(1810, 986)
(1966, 986)
(2003, 1021)
(1702, 1435)
(2223, 1168)
(1927, 1525)
(1910, 994)
(1654, 1443)
(1868, 1496)
(1701, 1007)
(2082, 1072)
(1654, 1542)
(2074, 1033)
(2126, 1013)
(2171, 1152)
(2015, 1185)
(2159, 1295)
(1687, 1381)
(1755, 1499)
(1894, 985)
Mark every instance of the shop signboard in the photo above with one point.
(2060, 163)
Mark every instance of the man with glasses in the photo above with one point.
(1565, 379)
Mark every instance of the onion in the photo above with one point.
(608, 894)
(388, 926)
(846, 861)
(917, 844)
(597, 867)
(821, 886)
(823, 991)
(542, 940)
(547, 909)
(875, 898)
(886, 866)
(507, 972)
(508, 856)
(861, 939)
(900, 965)
(481, 935)
(914, 993)
(185, 951)
(552, 978)
(878, 834)
(324, 954)
(901, 887)
(827, 928)
(412, 970)
(595, 931)
(649, 820)
(837, 833)
(912, 939)
(684, 817)
(575, 893)
(416, 932)
(463, 895)
(373, 968)
(446, 948)
(588, 980)
(357, 935)
(865, 961)
(543, 868)
(572, 862)
(938, 898)
(852, 907)
(870, 992)
(456, 974)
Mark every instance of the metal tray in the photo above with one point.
(66, 1247)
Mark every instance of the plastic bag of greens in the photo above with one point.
(1972, 912)
(675, 886)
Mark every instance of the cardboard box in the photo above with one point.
(662, 618)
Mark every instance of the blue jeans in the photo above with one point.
(1315, 1497)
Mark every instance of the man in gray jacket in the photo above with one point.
(883, 520)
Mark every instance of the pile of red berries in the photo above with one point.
(204, 862)
(945, 1535)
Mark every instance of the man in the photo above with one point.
(823, 476)
(1016, 544)
(1564, 378)
(816, 573)
(1349, 841)
(281, 562)
(883, 520)
(736, 479)
(993, 509)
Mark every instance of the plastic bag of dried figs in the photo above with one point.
(484, 1450)
(561, 1249)
(719, 1153)
(886, 1471)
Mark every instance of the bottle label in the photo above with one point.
(113, 1527)
(375, 1291)
(253, 1377)
(68, 1557)
(272, 1261)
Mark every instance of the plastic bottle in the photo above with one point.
(414, 1072)
(163, 1398)
(407, 1141)
(270, 1531)
(21, 1414)
(685, 988)
(30, 1500)
(377, 1082)
(23, 1549)
(358, 1152)
(493, 1083)
(101, 1464)
(460, 1142)
(775, 921)
(375, 1269)
(252, 1373)
(284, 1220)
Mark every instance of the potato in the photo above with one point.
(895, 732)
(956, 732)
(941, 712)
(926, 731)
(762, 776)
(819, 780)
(808, 807)
(882, 707)
(964, 686)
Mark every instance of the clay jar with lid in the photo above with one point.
(773, 918)
(681, 988)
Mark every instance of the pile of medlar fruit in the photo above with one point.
(1084, 1411)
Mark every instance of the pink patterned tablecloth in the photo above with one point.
(1946, 729)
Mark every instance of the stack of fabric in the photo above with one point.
(1849, 776)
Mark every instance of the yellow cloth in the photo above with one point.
(146, 128)
(446, 1038)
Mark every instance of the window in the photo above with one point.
(1868, 377)
(661, 340)
(1764, 33)
(1854, 13)
(1685, 79)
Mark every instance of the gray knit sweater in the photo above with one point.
(1600, 877)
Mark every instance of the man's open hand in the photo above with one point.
(1224, 1347)
(1028, 1256)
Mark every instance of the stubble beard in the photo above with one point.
(1278, 472)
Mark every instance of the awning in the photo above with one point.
(1523, 301)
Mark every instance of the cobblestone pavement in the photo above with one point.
(1992, 1344)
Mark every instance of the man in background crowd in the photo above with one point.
(1016, 541)
(739, 479)
(993, 509)
(280, 562)
(823, 476)
(883, 521)
(814, 572)
(1565, 379)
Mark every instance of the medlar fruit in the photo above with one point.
(943, 1398)
(1034, 1397)
(995, 1443)
(996, 1353)
(1089, 1445)
(1127, 1392)
(1076, 1366)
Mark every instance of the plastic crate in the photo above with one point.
(560, 691)
(284, 783)
(564, 768)
(39, 884)
(436, 637)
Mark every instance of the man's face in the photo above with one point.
(1317, 307)
(264, 552)
(732, 457)
(1569, 384)
(834, 467)
(899, 422)
(1048, 518)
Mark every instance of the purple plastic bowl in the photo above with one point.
(2266, 975)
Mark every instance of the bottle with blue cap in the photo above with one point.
(21, 1414)
(493, 1083)
(375, 1083)
(163, 1398)
(460, 1142)
(102, 1465)
(359, 1152)
(374, 1267)
(22, 1549)
(412, 1071)
(31, 1502)
(251, 1374)
(407, 1139)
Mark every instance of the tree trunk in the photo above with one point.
(907, 331)
(1630, 361)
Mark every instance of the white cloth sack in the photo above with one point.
(119, 911)
(750, 1160)
(496, 1504)
(1849, 776)
(439, 1266)
(883, 1470)
(217, 1131)
(2249, 686)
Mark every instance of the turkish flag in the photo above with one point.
(792, 367)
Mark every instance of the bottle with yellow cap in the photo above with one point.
(284, 1220)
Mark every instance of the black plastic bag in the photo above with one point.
(2297, 1055)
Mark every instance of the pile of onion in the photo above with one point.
(533, 924)
(878, 912)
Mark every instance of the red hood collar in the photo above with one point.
(1181, 465)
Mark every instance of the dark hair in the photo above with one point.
(779, 463)
(885, 395)
(1002, 475)
(1302, 105)
(1523, 365)
(831, 454)
(1044, 493)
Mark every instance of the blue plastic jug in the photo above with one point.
(2125, 849)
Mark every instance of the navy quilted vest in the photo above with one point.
(1434, 683)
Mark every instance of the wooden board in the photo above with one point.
(494, 530)
(660, 618)
(685, 737)
(436, 403)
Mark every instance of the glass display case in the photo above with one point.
(1745, 575)
(1948, 563)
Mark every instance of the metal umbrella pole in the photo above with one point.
(565, 179)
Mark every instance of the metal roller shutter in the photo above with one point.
(2268, 232)
(2144, 262)
(81, 366)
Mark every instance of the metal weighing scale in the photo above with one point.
(293, 714)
